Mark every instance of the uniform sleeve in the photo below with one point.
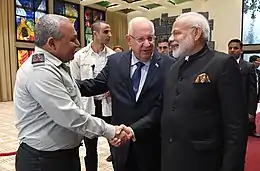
(74, 67)
(47, 88)
(234, 116)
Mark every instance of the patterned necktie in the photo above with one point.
(137, 76)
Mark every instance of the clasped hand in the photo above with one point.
(122, 135)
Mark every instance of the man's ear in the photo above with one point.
(198, 33)
(51, 43)
(127, 38)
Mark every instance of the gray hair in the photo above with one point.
(138, 20)
(48, 26)
(195, 19)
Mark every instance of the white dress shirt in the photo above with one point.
(144, 72)
(87, 64)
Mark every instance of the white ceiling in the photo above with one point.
(134, 5)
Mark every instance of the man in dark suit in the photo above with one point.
(204, 119)
(135, 81)
(255, 60)
(235, 49)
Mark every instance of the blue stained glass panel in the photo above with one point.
(40, 5)
(25, 3)
(25, 13)
(28, 13)
(20, 11)
(59, 8)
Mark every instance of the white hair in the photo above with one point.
(138, 20)
(195, 19)
(48, 26)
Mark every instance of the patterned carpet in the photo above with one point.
(9, 143)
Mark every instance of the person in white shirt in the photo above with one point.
(88, 62)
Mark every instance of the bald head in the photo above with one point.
(139, 21)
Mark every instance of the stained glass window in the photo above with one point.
(27, 14)
(23, 55)
(251, 22)
(69, 10)
(90, 16)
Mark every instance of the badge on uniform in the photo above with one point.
(202, 78)
(38, 58)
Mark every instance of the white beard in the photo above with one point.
(184, 47)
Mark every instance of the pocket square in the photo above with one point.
(202, 78)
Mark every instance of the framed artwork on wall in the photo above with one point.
(69, 10)
(90, 16)
(27, 14)
(251, 22)
(23, 54)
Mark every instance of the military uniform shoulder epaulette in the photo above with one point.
(38, 59)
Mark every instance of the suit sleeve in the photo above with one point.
(98, 85)
(252, 93)
(151, 122)
(234, 117)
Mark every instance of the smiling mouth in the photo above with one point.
(174, 46)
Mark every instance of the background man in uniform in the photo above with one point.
(50, 119)
(235, 49)
(204, 119)
(88, 62)
(135, 80)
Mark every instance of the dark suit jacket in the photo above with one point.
(143, 116)
(258, 75)
(249, 85)
(204, 125)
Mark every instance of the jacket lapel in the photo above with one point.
(125, 65)
(154, 69)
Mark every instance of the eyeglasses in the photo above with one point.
(142, 39)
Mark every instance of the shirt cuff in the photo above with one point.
(110, 131)
(133, 138)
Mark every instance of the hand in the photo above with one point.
(251, 118)
(129, 132)
(116, 141)
(107, 95)
(123, 134)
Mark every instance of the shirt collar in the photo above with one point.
(238, 60)
(104, 51)
(134, 60)
(48, 56)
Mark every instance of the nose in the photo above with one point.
(146, 43)
(171, 38)
(110, 34)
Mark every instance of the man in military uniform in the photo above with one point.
(204, 118)
(50, 120)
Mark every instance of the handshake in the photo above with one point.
(122, 135)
